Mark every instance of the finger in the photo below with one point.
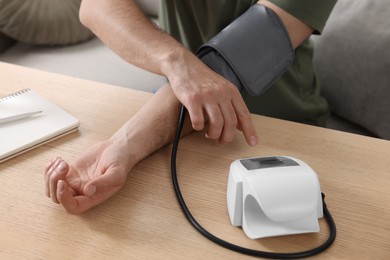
(58, 173)
(216, 121)
(239, 127)
(230, 123)
(245, 121)
(48, 172)
(196, 116)
(95, 192)
(72, 204)
(47, 168)
(102, 187)
(192, 101)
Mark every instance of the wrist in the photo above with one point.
(174, 61)
(122, 140)
(138, 138)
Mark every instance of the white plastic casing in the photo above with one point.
(279, 195)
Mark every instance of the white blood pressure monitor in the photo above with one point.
(273, 196)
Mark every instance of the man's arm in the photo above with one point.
(208, 97)
(123, 27)
(102, 170)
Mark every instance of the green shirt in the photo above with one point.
(295, 95)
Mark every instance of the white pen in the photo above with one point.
(13, 118)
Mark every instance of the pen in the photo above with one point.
(13, 118)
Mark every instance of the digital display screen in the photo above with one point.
(267, 162)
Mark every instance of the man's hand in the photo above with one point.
(210, 98)
(92, 179)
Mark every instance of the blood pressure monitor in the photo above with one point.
(273, 196)
(267, 196)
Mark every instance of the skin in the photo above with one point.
(211, 101)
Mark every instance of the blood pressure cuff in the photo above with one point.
(251, 52)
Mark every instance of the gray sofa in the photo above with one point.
(88, 58)
(351, 59)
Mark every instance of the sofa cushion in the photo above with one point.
(352, 60)
(54, 22)
(149, 7)
(5, 42)
(90, 60)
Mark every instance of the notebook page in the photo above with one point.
(29, 132)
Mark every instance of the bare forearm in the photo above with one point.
(123, 27)
(152, 127)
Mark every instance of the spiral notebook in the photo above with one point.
(25, 134)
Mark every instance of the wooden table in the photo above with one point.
(144, 220)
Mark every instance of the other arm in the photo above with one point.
(101, 171)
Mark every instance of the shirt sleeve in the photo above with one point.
(313, 13)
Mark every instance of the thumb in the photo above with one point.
(90, 189)
(105, 184)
